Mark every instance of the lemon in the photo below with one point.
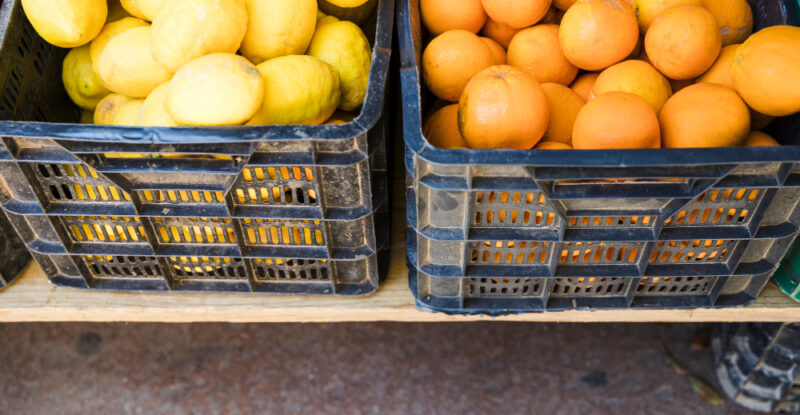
(216, 89)
(188, 29)
(115, 11)
(278, 28)
(340, 118)
(143, 9)
(298, 89)
(66, 23)
(343, 45)
(325, 20)
(83, 86)
(126, 65)
(154, 112)
(354, 10)
(128, 114)
(87, 117)
(110, 30)
(108, 108)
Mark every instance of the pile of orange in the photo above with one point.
(605, 74)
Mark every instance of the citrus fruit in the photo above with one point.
(720, 72)
(66, 23)
(497, 50)
(441, 129)
(188, 29)
(340, 118)
(564, 106)
(115, 11)
(648, 10)
(128, 114)
(278, 27)
(357, 11)
(563, 4)
(679, 84)
(450, 61)
(216, 89)
(765, 71)
(705, 115)
(343, 45)
(760, 121)
(683, 42)
(759, 139)
(616, 121)
(298, 89)
(551, 17)
(501, 33)
(734, 18)
(537, 51)
(108, 108)
(552, 145)
(636, 77)
(154, 110)
(126, 65)
(516, 13)
(83, 86)
(503, 107)
(110, 30)
(440, 16)
(596, 34)
(143, 9)
(87, 117)
(583, 85)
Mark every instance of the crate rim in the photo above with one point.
(372, 109)
(411, 88)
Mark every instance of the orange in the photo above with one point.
(441, 129)
(635, 77)
(516, 13)
(759, 139)
(503, 107)
(720, 72)
(563, 4)
(340, 118)
(451, 59)
(734, 18)
(705, 115)
(440, 16)
(616, 120)
(596, 34)
(759, 121)
(551, 17)
(552, 145)
(678, 85)
(583, 85)
(537, 51)
(497, 50)
(501, 33)
(683, 42)
(564, 107)
(765, 71)
(648, 10)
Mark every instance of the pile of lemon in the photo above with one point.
(166, 63)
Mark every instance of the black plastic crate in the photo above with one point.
(619, 215)
(288, 209)
(14, 254)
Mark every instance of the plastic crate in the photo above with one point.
(285, 209)
(14, 254)
(583, 215)
(787, 274)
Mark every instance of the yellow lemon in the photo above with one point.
(66, 23)
(298, 89)
(340, 118)
(154, 111)
(110, 30)
(126, 65)
(115, 11)
(108, 108)
(83, 86)
(128, 114)
(325, 20)
(143, 9)
(216, 89)
(354, 10)
(344, 46)
(87, 117)
(278, 28)
(188, 29)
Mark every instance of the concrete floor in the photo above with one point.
(387, 369)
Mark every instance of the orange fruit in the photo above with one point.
(497, 50)
(705, 115)
(440, 16)
(563, 4)
(734, 18)
(516, 13)
(583, 85)
(564, 107)
(451, 59)
(552, 145)
(596, 34)
(635, 77)
(501, 33)
(683, 42)
(678, 85)
(765, 71)
(759, 139)
(551, 17)
(537, 51)
(720, 72)
(441, 129)
(503, 107)
(648, 10)
(759, 121)
(616, 120)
